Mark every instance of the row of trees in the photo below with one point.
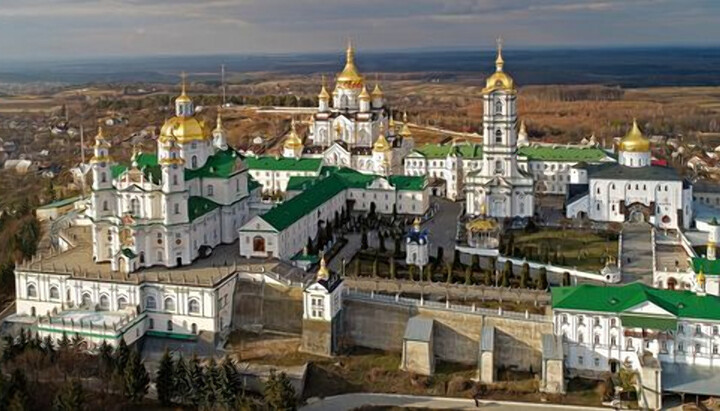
(121, 371)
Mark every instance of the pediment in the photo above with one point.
(648, 307)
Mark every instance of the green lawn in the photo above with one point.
(584, 249)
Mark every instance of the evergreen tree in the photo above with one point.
(64, 343)
(448, 273)
(440, 256)
(381, 242)
(525, 276)
(542, 283)
(309, 246)
(468, 275)
(363, 240)
(49, 347)
(356, 267)
(566, 279)
(164, 379)
(136, 378)
(375, 267)
(15, 393)
(487, 277)
(229, 382)
(122, 354)
(507, 274)
(105, 355)
(392, 268)
(212, 383)
(411, 272)
(19, 402)
(475, 262)
(181, 382)
(279, 392)
(197, 381)
(70, 398)
(398, 246)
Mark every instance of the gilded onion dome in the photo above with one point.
(293, 141)
(405, 130)
(391, 121)
(364, 95)
(701, 279)
(381, 145)
(183, 129)
(377, 91)
(324, 95)
(350, 76)
(499, 80)
(323, 273)
(634, 141)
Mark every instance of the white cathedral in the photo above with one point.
(171, 207)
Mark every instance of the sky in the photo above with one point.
(98, 28)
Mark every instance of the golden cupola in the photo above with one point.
(293, 142)
(499, 80)
(381, 144)
(323, 273)
(405, 130)
(634, 141)
(324, 95)
(377, 91)
(350, 77)
(183, 97)
(364, 95)
(100, 140)
(183, 130)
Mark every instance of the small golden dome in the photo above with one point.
(634, 141)
(183, 129)
(350, 76)
(405, 130)
(364, 95)
(391, 121)
(377, 91)
(701, 278)
(499, 80)
(323, 273)
(381, 145)
(324, 95)
(293, 141)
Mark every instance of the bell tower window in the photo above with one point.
(498, 136)
(498, 107)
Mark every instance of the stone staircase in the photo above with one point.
(637, 253)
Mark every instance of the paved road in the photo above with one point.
(637, 253)
(352, 401)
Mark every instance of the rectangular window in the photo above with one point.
(317, 307)
(581, 360)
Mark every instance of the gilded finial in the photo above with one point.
(219, 118)
(183, 75)
(323, 273)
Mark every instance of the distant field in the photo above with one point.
(29, 104)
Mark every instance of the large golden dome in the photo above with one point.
(293, 141)
(634, 141)
(183, 129)
(350, 76)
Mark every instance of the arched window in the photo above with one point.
(498, 167)
(103, 178)
(193, 162)
(86, 300)
(194, 306)
(122, 303)
(176, 208)
(105, 205)
(31, 291)
(135, 207)
(193, 328)
(150, 303)
(54, 293)
(498, 107)
(169, 304)
(151, 323)
(580, 338)
(142, 257)
(210, 190)
(104, 302)
(174, 179)
(498, 136)
(169, 325)
(159, 255)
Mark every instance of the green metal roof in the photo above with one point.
(682, 304)
(222, 164)
(285, 214)
(562, 153)
(283, 164)
(128, 253)
(442, 150)
(252, 184)
(318, 190)
(199, 206)
(708, 267)
(147, 162)
(649, 322)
